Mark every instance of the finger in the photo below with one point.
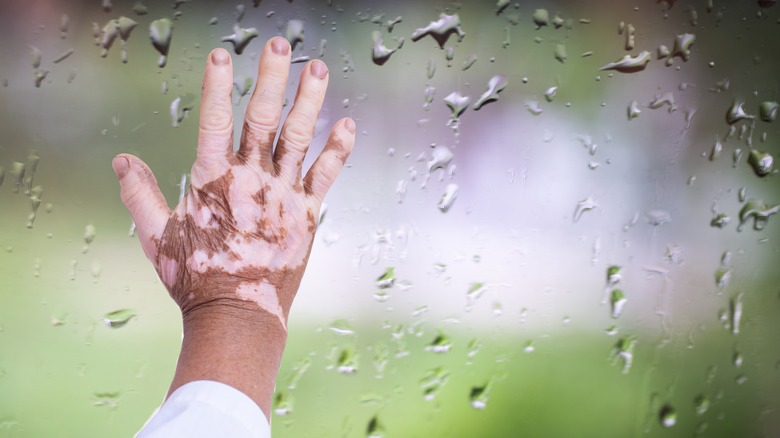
(142, 197)
(265, 106)
(298, 129)
(326, 168)
(215, 135)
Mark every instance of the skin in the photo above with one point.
(233, 252)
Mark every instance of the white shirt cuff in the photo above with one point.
(206, 408)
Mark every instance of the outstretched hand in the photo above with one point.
(233, 252)
(241, 235)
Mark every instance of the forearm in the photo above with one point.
(240, 346)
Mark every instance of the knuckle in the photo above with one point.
(261, 118)
(217, 118)
(298, 134)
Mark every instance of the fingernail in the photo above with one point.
(280, 46)
(121, 165)
(220, 57)
(319, 69)
(350, 125)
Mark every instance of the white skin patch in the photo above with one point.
(168, 270)
(264, 294)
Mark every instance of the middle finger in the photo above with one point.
(264, 110)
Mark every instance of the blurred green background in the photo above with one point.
(535, 351)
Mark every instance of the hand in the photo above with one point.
(233, 252)
(242, 233)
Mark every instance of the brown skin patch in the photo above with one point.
(193, 290)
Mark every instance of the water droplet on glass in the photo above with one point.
(630, 31)
(722, 277)
(375, 429)
(633, 110)
(667, 416)
(586, 204)
(720, 221)
(630, 64)
(283, 403)
(617, 300)
(761, 162)
(347, 362)
(496, 84)
(441, 29)
(541, 18)
(240, 38)
(682, 46)
(550, 93)
(433, 381)
(139, 8)
(440, 344)
(757, 210)
(737, 359)
(119, 318)
(480, 395)
(735, 311)
(380, 53)
(89, 237)
(450, 194)
(341, 327)
(295, 33)
(768, 111)
(624, 352)
(59, 318)
(737, 113)
(475, 291)
(560, 53)
(161, 32)
(387, 279)
(658, 217)
(529, 347)
(180, 107)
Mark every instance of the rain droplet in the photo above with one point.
(541, 18)
(387, 279)
(624, 351)
(375, 429)
(431, 69)
(161, 32)
(119, 318)
(737, 359)
(63, 56)
(630, 36)
(768, 111)
(496, 84)
(613, 275)
(560, 53)
(717, 147)
(701, 404)
(475, 291)
(736, 113)
(341, 327)
(682, 46)
(440, 158)
(64, 24)
(550, 93)
(283, 403)
(180, 107)
(468, 62)
(658, 217)
(667, 416)
(140, 9)
(758, 210)
(348, 361)
(441, 29)
(480, 395)
(450, 194)
(457, 103)
(59, 318)
(240, 38)
(630, 64)
(633, 110)
(440, 344)
(617, 301)
(433, 381)
(722, 277)
(89, 237)
(735, 311)
(761, 162)
(380, 53)
(586, 204)
(295, 33)
(720, 221)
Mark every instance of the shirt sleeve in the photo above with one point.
(207, 409)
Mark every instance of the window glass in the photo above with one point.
(558, 218)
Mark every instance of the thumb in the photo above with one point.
(142, 197)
